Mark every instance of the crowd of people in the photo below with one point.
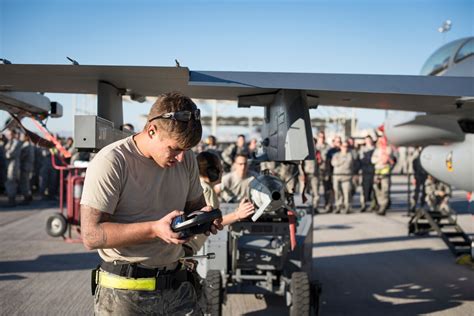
(134, 188)
(341, 168)
(26, 168)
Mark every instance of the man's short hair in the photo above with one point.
(211, 140)
(186, 134)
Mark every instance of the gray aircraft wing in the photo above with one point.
(390, 92)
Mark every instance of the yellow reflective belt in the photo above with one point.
(383, 171)
(117, 282)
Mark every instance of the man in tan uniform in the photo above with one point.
(12, 155)
(342, 163)
(309, 178)
(27, 165)
(437, 195)
(383, 161)
(210, 175)
(235, 185)
(133, 190)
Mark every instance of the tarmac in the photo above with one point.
(367, 265)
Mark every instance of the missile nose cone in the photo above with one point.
(276, 195)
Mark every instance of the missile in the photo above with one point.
(267, 192)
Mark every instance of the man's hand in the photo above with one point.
(245, 209)
(216, 224)
(163, 230)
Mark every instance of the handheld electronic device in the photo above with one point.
(197, 222)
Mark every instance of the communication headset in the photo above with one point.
(213, 174)
(212, 171)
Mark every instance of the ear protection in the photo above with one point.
(212, 173)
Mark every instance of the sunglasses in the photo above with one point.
(182, 116)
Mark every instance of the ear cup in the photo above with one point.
(212, 174)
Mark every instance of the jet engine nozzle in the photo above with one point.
(267, 192)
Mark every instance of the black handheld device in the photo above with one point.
(197, 222)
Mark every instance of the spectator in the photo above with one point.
(342, 163)
(437, 195)
(27, 164)
(383, 161)
(419, 179)
(336, 145)
(235, 185)
(309, 178)
(12, 159)
(368, 170)
(229, 154)
(324, 171)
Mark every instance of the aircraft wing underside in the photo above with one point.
(389, 92)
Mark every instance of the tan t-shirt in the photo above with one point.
(234, 188)
(209, 194)
(132, 188)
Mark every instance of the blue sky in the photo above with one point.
(373, 37)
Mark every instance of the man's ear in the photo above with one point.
(151, 131)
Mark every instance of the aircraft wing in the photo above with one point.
(389, 92)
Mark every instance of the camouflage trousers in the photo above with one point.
(342, 193)
(382, 191)
(13, 177)
(312, 184)
(180, 301)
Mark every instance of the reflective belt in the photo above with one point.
(385, 170)
(113, 281)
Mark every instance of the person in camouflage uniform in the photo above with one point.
(353, 150)
(310, 179)
(342, 163)
(437, 194)
(365, 158)
(46, 173)
(27, 158)
(383, 160)
(322, 149)
(419, 193)
(229, 154)
(12, 158)
(133, 190)
(288, 173)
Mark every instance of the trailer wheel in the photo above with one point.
(300, 294)
(56, 225)
(214, 292)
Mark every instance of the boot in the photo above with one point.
(27, 200)
(11, 202)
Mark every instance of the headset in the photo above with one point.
(212, 171)
(213, 174)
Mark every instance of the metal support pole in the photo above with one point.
(109, 103)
